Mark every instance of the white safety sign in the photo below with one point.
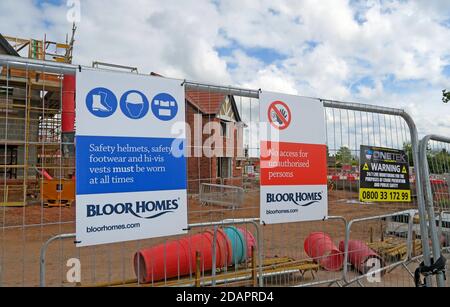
(293, 159)
(130, 167)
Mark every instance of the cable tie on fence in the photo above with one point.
(79, 68)
(434, 269)
(77, 242)
(187, 229)
(264, 223)
(183, 83)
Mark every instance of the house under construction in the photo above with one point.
(36, 129)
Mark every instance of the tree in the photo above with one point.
(445, 96)
(344, 157)
(439, 161)
(407, 147)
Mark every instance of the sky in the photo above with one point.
(389, 53)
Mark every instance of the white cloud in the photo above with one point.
(174, 38)
(385, 41)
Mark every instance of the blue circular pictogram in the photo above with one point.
(101, 102)
(134, 104)
(164, 107)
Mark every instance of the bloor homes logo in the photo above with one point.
(140, 209)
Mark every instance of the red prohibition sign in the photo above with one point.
(279, 115)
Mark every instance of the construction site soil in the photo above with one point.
(26, 229)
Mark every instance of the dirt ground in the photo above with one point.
(24, 230)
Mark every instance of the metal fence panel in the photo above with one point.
(435, 159)
(35, 149)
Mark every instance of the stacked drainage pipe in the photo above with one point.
(178, 258)
(361, 256)
(68, 115)
(320, 247)
(68, 104)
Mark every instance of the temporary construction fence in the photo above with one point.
(435, 158)
(380, 257)
(37, 245)
(254, 272)
(222, 195)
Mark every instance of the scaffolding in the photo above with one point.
(30, 122)
(44, 49)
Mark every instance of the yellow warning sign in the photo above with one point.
(366, 167)
(384, 175)
(384, 195)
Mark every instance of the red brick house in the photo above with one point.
(222, 168)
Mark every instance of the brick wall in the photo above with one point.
(204, 170)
